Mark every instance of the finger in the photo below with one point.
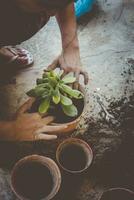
(81, 88)
(26, 106)
(76, 84)
(45, 137)
(48, 120)
(64, 74)
(51, 129)
(86, 77)
(55, 124)
(56, 129)
(34, 115)
(43, 114)
(53, 65)
(71, 85)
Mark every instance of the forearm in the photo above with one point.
(69, 60)
(67, 23)
(6, 130)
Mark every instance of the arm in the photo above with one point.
(28, 126)
(67, 23)
(69, 60)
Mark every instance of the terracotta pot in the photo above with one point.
(74, 155)
(35, 177)
(117, 194)
(70, 126)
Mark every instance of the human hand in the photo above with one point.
(69, 61)
(32, 126)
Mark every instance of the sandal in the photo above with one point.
(16, 56)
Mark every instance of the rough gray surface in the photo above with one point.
(107, 50)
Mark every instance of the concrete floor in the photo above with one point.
(107, 51)
(107, 44)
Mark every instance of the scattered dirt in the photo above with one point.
(113, 145)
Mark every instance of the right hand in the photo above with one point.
(70, 62)
(32, 126)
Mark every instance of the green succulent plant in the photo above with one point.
(52, 89)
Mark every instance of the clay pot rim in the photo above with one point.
(74, 140)
(51, 164)
(117, 188)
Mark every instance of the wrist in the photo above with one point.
(70, 43)
(72, 49)
(7, 130)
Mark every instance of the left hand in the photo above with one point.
(31, 126)
(69, 61)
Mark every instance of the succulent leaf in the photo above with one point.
(68, 79)
(73, 93)
(66, 101)
(56, 96)
(44, 106)
(70, 111)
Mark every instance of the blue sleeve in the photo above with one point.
(83, 6)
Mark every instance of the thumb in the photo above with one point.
(53, 65)
(27, 105)
(42, 136)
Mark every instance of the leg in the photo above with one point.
(14, 29)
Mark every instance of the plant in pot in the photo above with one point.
(54, 96)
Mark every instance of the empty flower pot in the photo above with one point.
(74, 155)
(35, 178)
(118, 194)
